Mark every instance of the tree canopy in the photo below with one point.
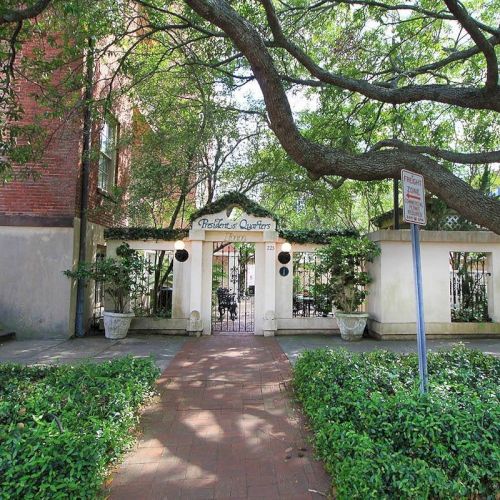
(389, 85)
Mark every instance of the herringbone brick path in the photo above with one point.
(224, 426)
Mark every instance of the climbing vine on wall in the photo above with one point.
(230, 200)
(144, 233)
(318, 236)
(233, 199)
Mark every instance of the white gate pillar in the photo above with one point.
(260, 286)
(269, 292)
(206, 287)
(196, 271)
(265, 284)
(284, 288)
(180, 296)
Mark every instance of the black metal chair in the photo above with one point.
(227, 302)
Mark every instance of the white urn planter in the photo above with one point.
(116, 325)
(352, 325)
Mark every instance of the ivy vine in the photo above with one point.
(144, 233)
(318, 236)
(230, 200)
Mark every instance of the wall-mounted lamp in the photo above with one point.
(286, 247)
(284, 256)
(181, 254)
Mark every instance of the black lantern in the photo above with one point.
(181, 254)
(284, 256)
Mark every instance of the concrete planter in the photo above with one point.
(351, 325)
(116, 325)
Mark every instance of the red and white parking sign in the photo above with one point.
(413, 198)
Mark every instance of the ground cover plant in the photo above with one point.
(380, 438)
(61, 427)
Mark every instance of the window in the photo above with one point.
(107, 154)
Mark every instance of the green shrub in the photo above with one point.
(380, 438)
(343, 260)
(122, 277)
(61, 427)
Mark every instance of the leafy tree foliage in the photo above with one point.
(390, 85)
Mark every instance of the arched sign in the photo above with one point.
(233, 229)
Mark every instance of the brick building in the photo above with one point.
(40, 218)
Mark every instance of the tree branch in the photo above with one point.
(13, 52)
(415, 8)
(15, 16)
(320, 160)
(466, 97)
(459, 55)
(182, 18)
(463, 17)
(335, 184)
(453, 156)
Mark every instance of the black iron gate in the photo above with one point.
(233, 287)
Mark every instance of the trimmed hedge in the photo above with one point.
(380, 438)
(61, 427)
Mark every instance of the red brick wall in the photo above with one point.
(103, 209)
(57, 191)
(53, 193)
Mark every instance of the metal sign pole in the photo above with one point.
(417, 272)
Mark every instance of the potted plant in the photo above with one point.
(122, 281)
(342, 262)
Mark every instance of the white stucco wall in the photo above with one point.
(36, 298)
(259, 303)
(286, 323)
(205, 276)
(284, 287)
(391, 301)
(192, 287)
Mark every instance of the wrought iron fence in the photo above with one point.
(469, 287)
(307, 299)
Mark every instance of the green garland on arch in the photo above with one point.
(144, 233)
(230, 200)
(300, 236)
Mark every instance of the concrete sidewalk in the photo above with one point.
(224, 426)
(95, 349)
(164, 347)
(293, 345)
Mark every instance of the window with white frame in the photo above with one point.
(108, 153)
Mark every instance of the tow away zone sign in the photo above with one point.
(413, 198)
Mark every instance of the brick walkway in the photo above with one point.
(223, 427)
